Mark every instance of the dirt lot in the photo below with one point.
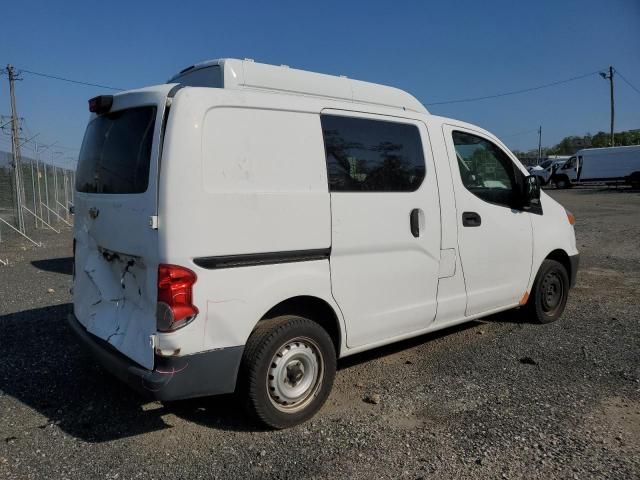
(492, 399)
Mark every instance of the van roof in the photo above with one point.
(247, 74)
(608, 149)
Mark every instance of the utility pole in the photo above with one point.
(612, 103)
(539, 144)
(15, 149)
(609, 76)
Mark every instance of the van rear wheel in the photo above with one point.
(549, 294)
(287, 370)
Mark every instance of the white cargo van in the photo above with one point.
(245, 225)
(608, 165)
(546, 169)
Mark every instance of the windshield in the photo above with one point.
(546, 163)
(116, 152)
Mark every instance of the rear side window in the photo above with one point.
(366, 155)
(116, 152)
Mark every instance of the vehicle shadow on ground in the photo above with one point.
(509, 316)
(43, 366)
(57, 265)
(397, 347)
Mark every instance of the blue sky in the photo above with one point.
(435, 50)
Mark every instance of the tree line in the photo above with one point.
(570, 145)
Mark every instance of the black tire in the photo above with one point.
(268, 343)
(562, 182)
(549, 294)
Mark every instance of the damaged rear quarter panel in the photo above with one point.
(114, 296)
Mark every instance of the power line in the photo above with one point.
(55, 77)
(514, 92)
(445, 102)
(41, 142)
(626, 81)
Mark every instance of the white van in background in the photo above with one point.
(246, 225)
(612, 164)
(546, 169)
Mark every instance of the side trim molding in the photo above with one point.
(269, 258)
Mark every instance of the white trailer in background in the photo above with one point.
(613, 164)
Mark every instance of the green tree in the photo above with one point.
(570, 145)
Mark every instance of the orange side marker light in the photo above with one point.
(571, 217)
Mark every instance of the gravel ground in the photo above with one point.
(493, 399)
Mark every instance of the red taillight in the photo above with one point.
(175, 297)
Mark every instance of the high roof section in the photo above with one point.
(247, 74)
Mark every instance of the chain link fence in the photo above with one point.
(34, 197)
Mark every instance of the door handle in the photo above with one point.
(471, 219)
(414, 222)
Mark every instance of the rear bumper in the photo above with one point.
(575, 262)
(173, 378)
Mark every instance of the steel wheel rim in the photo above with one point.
(295, 374)
(552, 292)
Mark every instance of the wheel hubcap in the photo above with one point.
(552, 291)
(295, 374)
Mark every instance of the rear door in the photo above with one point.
(116, 250)
(385, 214)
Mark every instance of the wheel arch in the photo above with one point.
(561, 257)
(313, 308)
(560, 176)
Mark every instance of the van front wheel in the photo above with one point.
(549, 294)
(562, 182)
(287, 370)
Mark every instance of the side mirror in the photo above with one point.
(532, 189)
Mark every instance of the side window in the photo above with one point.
(571, 163)
(486, 171)
(366, 155)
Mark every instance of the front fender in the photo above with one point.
(551, 231)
